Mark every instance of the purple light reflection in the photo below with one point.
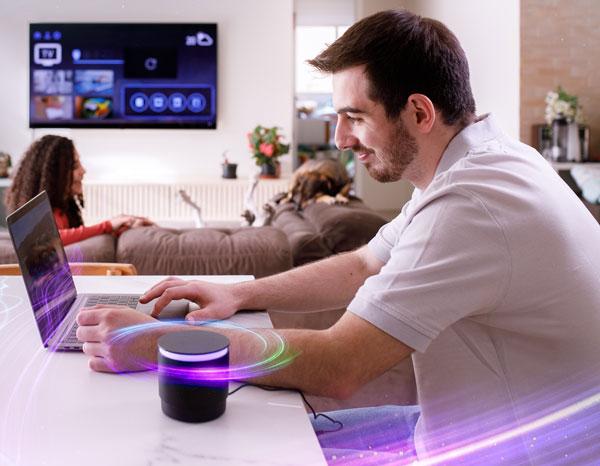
(53, 294)
(271, 358)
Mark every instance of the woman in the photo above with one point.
(52, 163)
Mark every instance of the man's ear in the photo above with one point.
(421, 112)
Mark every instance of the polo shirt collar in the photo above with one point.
(472, 136)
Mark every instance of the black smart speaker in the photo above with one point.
(192, 374)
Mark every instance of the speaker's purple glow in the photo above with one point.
(271, 358)
(193, 357)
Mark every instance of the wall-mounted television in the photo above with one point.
(92, 75)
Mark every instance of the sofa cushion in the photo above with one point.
(304, 238)
(100, 248)
(205, 251)
(319, 229)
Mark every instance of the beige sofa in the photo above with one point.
(294, 238)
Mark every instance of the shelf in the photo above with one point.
(559, 166)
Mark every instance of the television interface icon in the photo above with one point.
(138, 102)
(160, 101)
(196, 102)
(201, 39)
(52, 107)
(94, 82)
(93, 108)
(177, 102)
(47, 54)
(151, 63)
(53, 81)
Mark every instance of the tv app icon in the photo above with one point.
(47, 54)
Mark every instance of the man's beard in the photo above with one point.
(394, 159)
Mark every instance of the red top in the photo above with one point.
(72, 235)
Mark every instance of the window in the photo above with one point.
(310, 41)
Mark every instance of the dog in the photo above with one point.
(196, 211)
(252, 216)
(317, 181)
(314, 181)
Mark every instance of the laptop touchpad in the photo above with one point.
(174, 310)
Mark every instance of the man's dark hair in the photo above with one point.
(48, 164)
(404, 54)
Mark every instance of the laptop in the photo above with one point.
(49, 282)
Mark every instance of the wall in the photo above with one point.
(489, 33)
(560, 44)
(324, 13)
(255, 85)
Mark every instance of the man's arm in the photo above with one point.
(333, 362)
(328, 284)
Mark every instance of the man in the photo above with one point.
(488, 277)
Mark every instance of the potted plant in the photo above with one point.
(229, 169)
(5, 164)
(563, 117)
(266, 148)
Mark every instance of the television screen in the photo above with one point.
(123, 75)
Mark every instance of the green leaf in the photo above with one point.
(562, 95)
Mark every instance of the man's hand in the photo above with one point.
(216, 301)
(113, 349)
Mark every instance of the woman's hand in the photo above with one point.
(121, 222)
(216, 301)
(119, 339)
(142, 222)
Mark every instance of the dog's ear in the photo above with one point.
(310, 188)
(345, 191)
(281, 198)
(326, 185)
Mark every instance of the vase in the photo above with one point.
(269, 170)
(560, 138)
(573, 144)
(229, 170)
(584, 141)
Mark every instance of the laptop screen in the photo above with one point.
(43, 263)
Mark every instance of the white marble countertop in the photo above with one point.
(54, 410)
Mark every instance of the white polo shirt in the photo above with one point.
(492, 275)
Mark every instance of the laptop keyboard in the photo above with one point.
(71, 338)
(131, 301)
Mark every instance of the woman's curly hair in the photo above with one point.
(47, 165)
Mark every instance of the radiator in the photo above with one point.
(219, 200)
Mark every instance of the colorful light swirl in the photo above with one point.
(569, 415)
(270, 359)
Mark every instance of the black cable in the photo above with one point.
(276, 389)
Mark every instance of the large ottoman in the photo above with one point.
(206, 251)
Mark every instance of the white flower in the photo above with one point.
(551, 97)
(556, 107)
